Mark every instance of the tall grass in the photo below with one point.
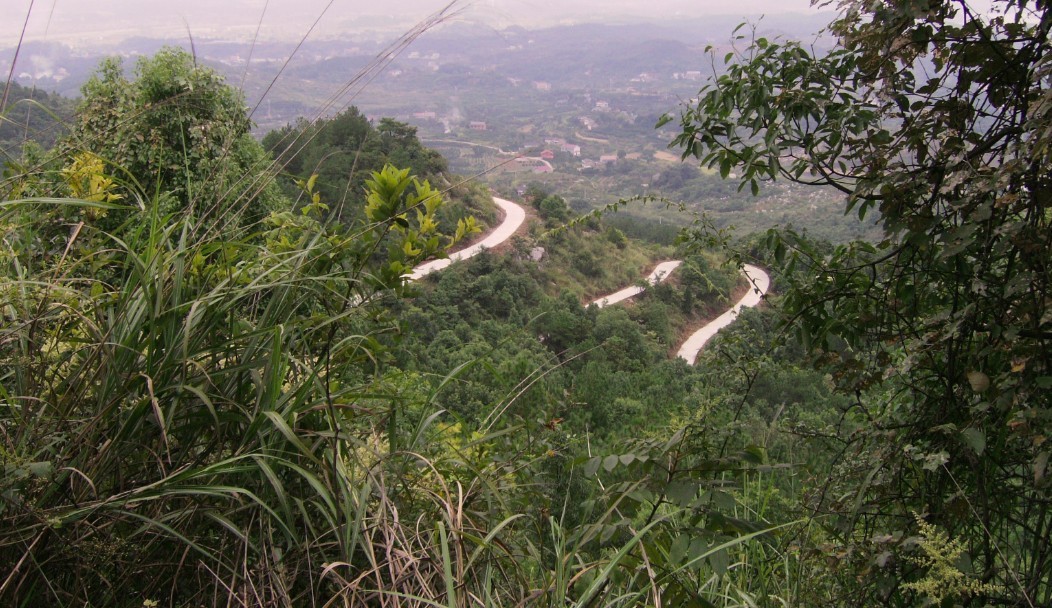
(200, 412)
(207, 422)
(192, 420)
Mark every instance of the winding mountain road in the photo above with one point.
(660, 273)
(514, 216)
(759, 281)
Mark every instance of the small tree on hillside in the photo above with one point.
(176, 128)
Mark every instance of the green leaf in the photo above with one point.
(720, 561)
(40, 469)
(725, 167)
(447, 567)
(678, 549)
(975, 439)
(722, 500)
(753, 454)
(681, 492)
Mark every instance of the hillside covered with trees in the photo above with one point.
(219, 387)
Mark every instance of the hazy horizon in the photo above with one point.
(109, 22)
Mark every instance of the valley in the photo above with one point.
(545, 305)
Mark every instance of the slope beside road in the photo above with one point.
(514, 216)
(660, 273)
(759, 283)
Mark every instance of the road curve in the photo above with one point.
(759, 281)
(514, 216)
(660, 273)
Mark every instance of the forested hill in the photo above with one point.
(195, 346)
(344, 150)
(32, 115)
(219, 387)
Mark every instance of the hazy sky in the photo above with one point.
(106, 21)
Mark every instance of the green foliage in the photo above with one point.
(168, 389)
(389, 202)
(937, 117)
(260, 415)
(659, 233)
(31, 116)
(553, 210)
(345, 150)
(941, 558)
(175, 128)
(196, 416)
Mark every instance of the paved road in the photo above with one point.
(660, 273)
(761, 282)
(514, 216)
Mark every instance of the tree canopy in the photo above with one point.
(176, 128)
(344, 150)
(31, 115)
(939, 118)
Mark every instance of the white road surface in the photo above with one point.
(514, 216)
(760, 283)
(660, 273)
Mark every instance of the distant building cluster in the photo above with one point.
(540, 155)
(692, 75)
(534, 164)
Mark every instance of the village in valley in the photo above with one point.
(569, 108)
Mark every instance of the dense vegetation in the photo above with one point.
(217, 387)
(31, 115)
(939, 121)
(212, 391)
(345, 150)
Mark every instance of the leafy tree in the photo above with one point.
(553, 210)
(400, 143)
(564, 324)
(938, 117)
(344, 150)
(535, 193)
(176, 128)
